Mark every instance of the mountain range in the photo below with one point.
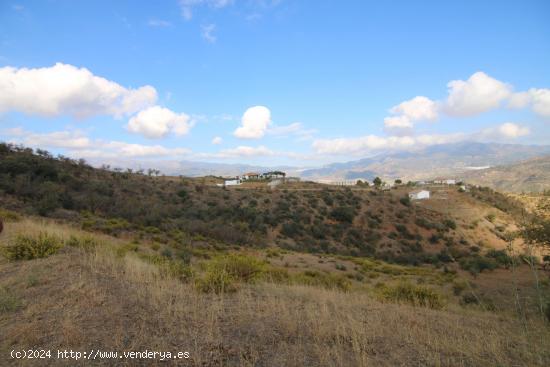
(483, 163)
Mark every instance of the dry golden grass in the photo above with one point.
(84, 300)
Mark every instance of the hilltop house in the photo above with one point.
(273, 175)
(230, 182)
(445, 181)
(419, 195)
(250, 176)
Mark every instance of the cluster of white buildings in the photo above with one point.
(274, 175)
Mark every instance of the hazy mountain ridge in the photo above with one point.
(454, 160)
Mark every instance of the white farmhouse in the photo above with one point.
(234, 182)
(419, 195)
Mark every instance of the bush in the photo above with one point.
(414, 295)
(547, 311)
(9, 216)
(216, 281)
(169, 268)
(222, 272)
(325, 280)
(500, 256)
(449, 223)
(405, 200)
(343, 214)
(27, 247)
(8, 301)
(341, 267)
(86, 243)
(476, 264)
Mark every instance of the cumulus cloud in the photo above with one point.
(254, 123)
(372, 143)
(77, 145)
(480, 93)
(66, 89)
(506, 131)
(157, 122)
(398, 125)
(419, 108)
(217, 140)
(537, 99)
(56, 139)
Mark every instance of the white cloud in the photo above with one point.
(538, 99)
(419, 108)
(480, 93)
(159, 23)
(217, 140)
(398, 125)
(506, 131)
(66, 89)
(295, 129)
(241, 151)
(80, 146)
(188, 5)
(372, 143)
(56, 139)
(156, 122)
(254, 123)
(207, 32)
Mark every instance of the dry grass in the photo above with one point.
(85, 300)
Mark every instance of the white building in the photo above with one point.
(419, 195)
(445, 182)
(230, 183)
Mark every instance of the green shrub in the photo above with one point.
(476, 264)
(449, 223)
(343, 214)
(216, 280)
(166, 253)
(87, 243)
(490, 217)
(8, 301)
(169, 268)
(500, 256)
(414, 295)
(547, 311)
(341, 267)
(25, 247)
(224, 271)
(325, 280)
(405, 200)
(9, 216)
(123, 250)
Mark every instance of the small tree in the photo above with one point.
(398, 182)
(377, 182)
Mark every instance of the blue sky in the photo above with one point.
(270, 81)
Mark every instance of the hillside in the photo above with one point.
(196, 213)
(94, 292)
(93, 259)
(532, 175)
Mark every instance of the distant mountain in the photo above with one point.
(199, 169)
(532, 175)
(449, 160)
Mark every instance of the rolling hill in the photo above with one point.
(448, 160)
(532, 175)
